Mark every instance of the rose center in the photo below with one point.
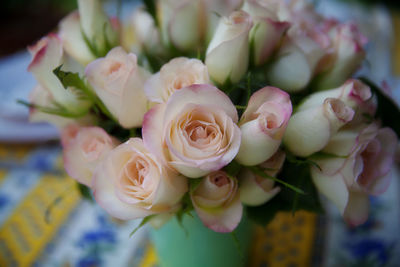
(220, 180)
(114, 67)
(92, 147)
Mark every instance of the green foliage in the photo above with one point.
(297, 174)
(70, 79)
(259, 171)
(388, 111)
(114, 129)
(233, 168)
(85, 192)
(142, 223)
(57, 110)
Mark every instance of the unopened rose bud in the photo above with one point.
(310, 130)
(227, 54)
(263, 124)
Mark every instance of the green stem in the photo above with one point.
(260, 172)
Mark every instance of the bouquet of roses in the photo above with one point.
(213, 107)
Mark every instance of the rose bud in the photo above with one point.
(256, 190)
(72, 39)
(231, 38)
(310, 130)
(145, 31)
(267, 30)
(296, 61)
(119, 82)
(83, 149)
(365, 156)
(263, 124)
(42, 97)
(131, 183)
(176, 74)
(353, 93)
(183, 23)
(47, 54)
(217, 202)
(195, 131)
(348, 45)
(97, 27)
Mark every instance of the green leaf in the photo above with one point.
(194, 183)
(233, 168)
(58, 110)
(69, 78)
(388, 110)
(142, 223)
(85, 192)
(259, 171)
(287, 199)
(238, 246)
(301, 161)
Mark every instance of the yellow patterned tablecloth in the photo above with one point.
(31, 225)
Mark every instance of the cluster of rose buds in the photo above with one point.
(190, 129)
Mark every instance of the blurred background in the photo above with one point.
(44, 221)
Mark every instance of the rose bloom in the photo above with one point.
(48, 54)
(348, 46)
(217, 203)
(132, 183)
(256, 190)
(267, 31)
(263, 124)
(195, 131)
(119, 82)
(365, 156)
(176, 74)
(83, 149)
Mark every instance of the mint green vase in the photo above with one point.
(194, 245)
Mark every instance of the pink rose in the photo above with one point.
(263, 124)
(119, 82)
(83, 149)
(310, 130)
(48, 54)
(267, 30)
(365, 156)
(132, 183)
(256, 190)
(349, 53)
(195, 131)
(217, 202)
(176, 74)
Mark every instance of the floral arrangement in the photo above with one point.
(215, 107)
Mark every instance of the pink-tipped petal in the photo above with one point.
(356, 212)
(200, 94)
(224, 220)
